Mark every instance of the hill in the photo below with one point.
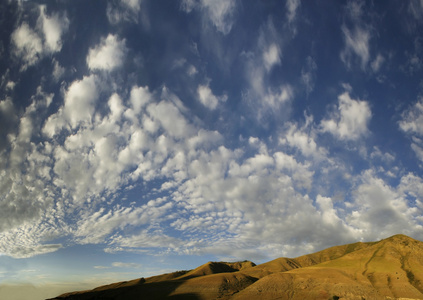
(388, 269)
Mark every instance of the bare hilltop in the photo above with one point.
(388, 269)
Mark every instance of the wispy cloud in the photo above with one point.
(412, 123)
(356, 45)
(219, 12)
(126, 265)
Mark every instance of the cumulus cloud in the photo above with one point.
(219, 12)
(108, 55)
(350, 119)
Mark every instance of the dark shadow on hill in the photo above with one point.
(153, 291)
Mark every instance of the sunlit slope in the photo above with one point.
(389, 269)
(283, 264)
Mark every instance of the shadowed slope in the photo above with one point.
(389, 269)
(218, 267)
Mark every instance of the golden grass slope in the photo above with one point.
(389, 269)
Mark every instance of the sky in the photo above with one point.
(139, 137)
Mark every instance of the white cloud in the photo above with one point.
(28, 45)
(53, 28)
(79, 101)
(304, 139)
(25, 252)
(32, 45)
(140, 96)
(171, 119)
(108, 55)
(207, 98)
(214, 195)
(351, 119)
(412, 119)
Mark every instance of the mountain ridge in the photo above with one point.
(391, 268)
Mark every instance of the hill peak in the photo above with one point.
(400, 237)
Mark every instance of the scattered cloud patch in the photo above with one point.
(108, 55)
(31, 45)
(350, 119)
(412, 124)
(53, 28)
(207, 98)
(271, 57)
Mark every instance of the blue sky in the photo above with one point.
(139, 137)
